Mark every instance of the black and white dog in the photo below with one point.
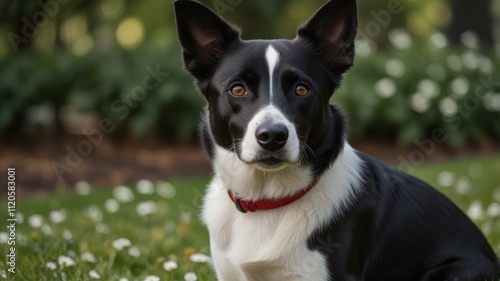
(291, 199)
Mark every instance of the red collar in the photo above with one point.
(267, 204)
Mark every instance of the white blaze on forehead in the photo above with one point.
(272, 58)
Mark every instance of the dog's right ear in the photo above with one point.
(204, 37)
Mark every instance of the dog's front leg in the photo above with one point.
(225, 270)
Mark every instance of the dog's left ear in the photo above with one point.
(331, 31)
(204, 37)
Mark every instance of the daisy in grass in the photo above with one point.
(51, 265)
(152, 278)
(190, 276)
(134, 252)
(89, 257)
(57, 216)
(121, 243)
(170, 265)
(94, 275)
(199, 258)
(65, 261)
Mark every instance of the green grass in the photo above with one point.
(173, 230)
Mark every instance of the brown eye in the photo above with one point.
(238, 90)
(301, 90)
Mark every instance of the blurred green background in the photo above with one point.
(75, 68)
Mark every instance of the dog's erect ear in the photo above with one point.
(204, 37)
(331, 31)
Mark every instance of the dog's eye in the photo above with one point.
(238, 90)
(301, 90)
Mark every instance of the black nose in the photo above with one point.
(272, 136)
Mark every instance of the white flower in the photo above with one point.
(486, 65)
(3, 274)
(420, 103)
(35, 221)
(152, 278)
(67, 235)
(102, 228)
(94, 213)
(123, 279)
(363, 47)
(199, 258)
(385, 88)
(146, 208)
(476, 211)
(470, 60)
(493, 210)
(400, 38)
(186, 217)
(82, 188)
(46, 229)
(65, 261)
(4, 237)
(20, 217)
(170, 265)
(51, 265)
(190, 276)
(439, 40)
(446, 179)
(57, 216)
(463, 185)
(89, 257)
(123, 194)
(165, 189)
(428, 88)
(134, 252)
(460, 85)
(448, 107)
(121, 243)
(145, 187)
(470, 39)
(94, 274)
(395, 68)
(491, 101)
(111, 205)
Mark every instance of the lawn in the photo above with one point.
(151, 231)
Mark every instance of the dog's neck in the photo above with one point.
(253, 184)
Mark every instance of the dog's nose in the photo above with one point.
(272, 136)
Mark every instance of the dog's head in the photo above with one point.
(268, 100)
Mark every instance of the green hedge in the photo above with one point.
(403, 92)
(108, 85)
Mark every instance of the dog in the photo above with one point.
(290, 198)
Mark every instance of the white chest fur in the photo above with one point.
(271, 245)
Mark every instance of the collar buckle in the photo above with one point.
(237, 203)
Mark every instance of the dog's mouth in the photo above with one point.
(271, 163)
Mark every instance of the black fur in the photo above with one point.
(400, 228)
(397, 227)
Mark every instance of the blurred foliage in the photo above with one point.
(101, 84)
(69, 62)
(416, 87)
